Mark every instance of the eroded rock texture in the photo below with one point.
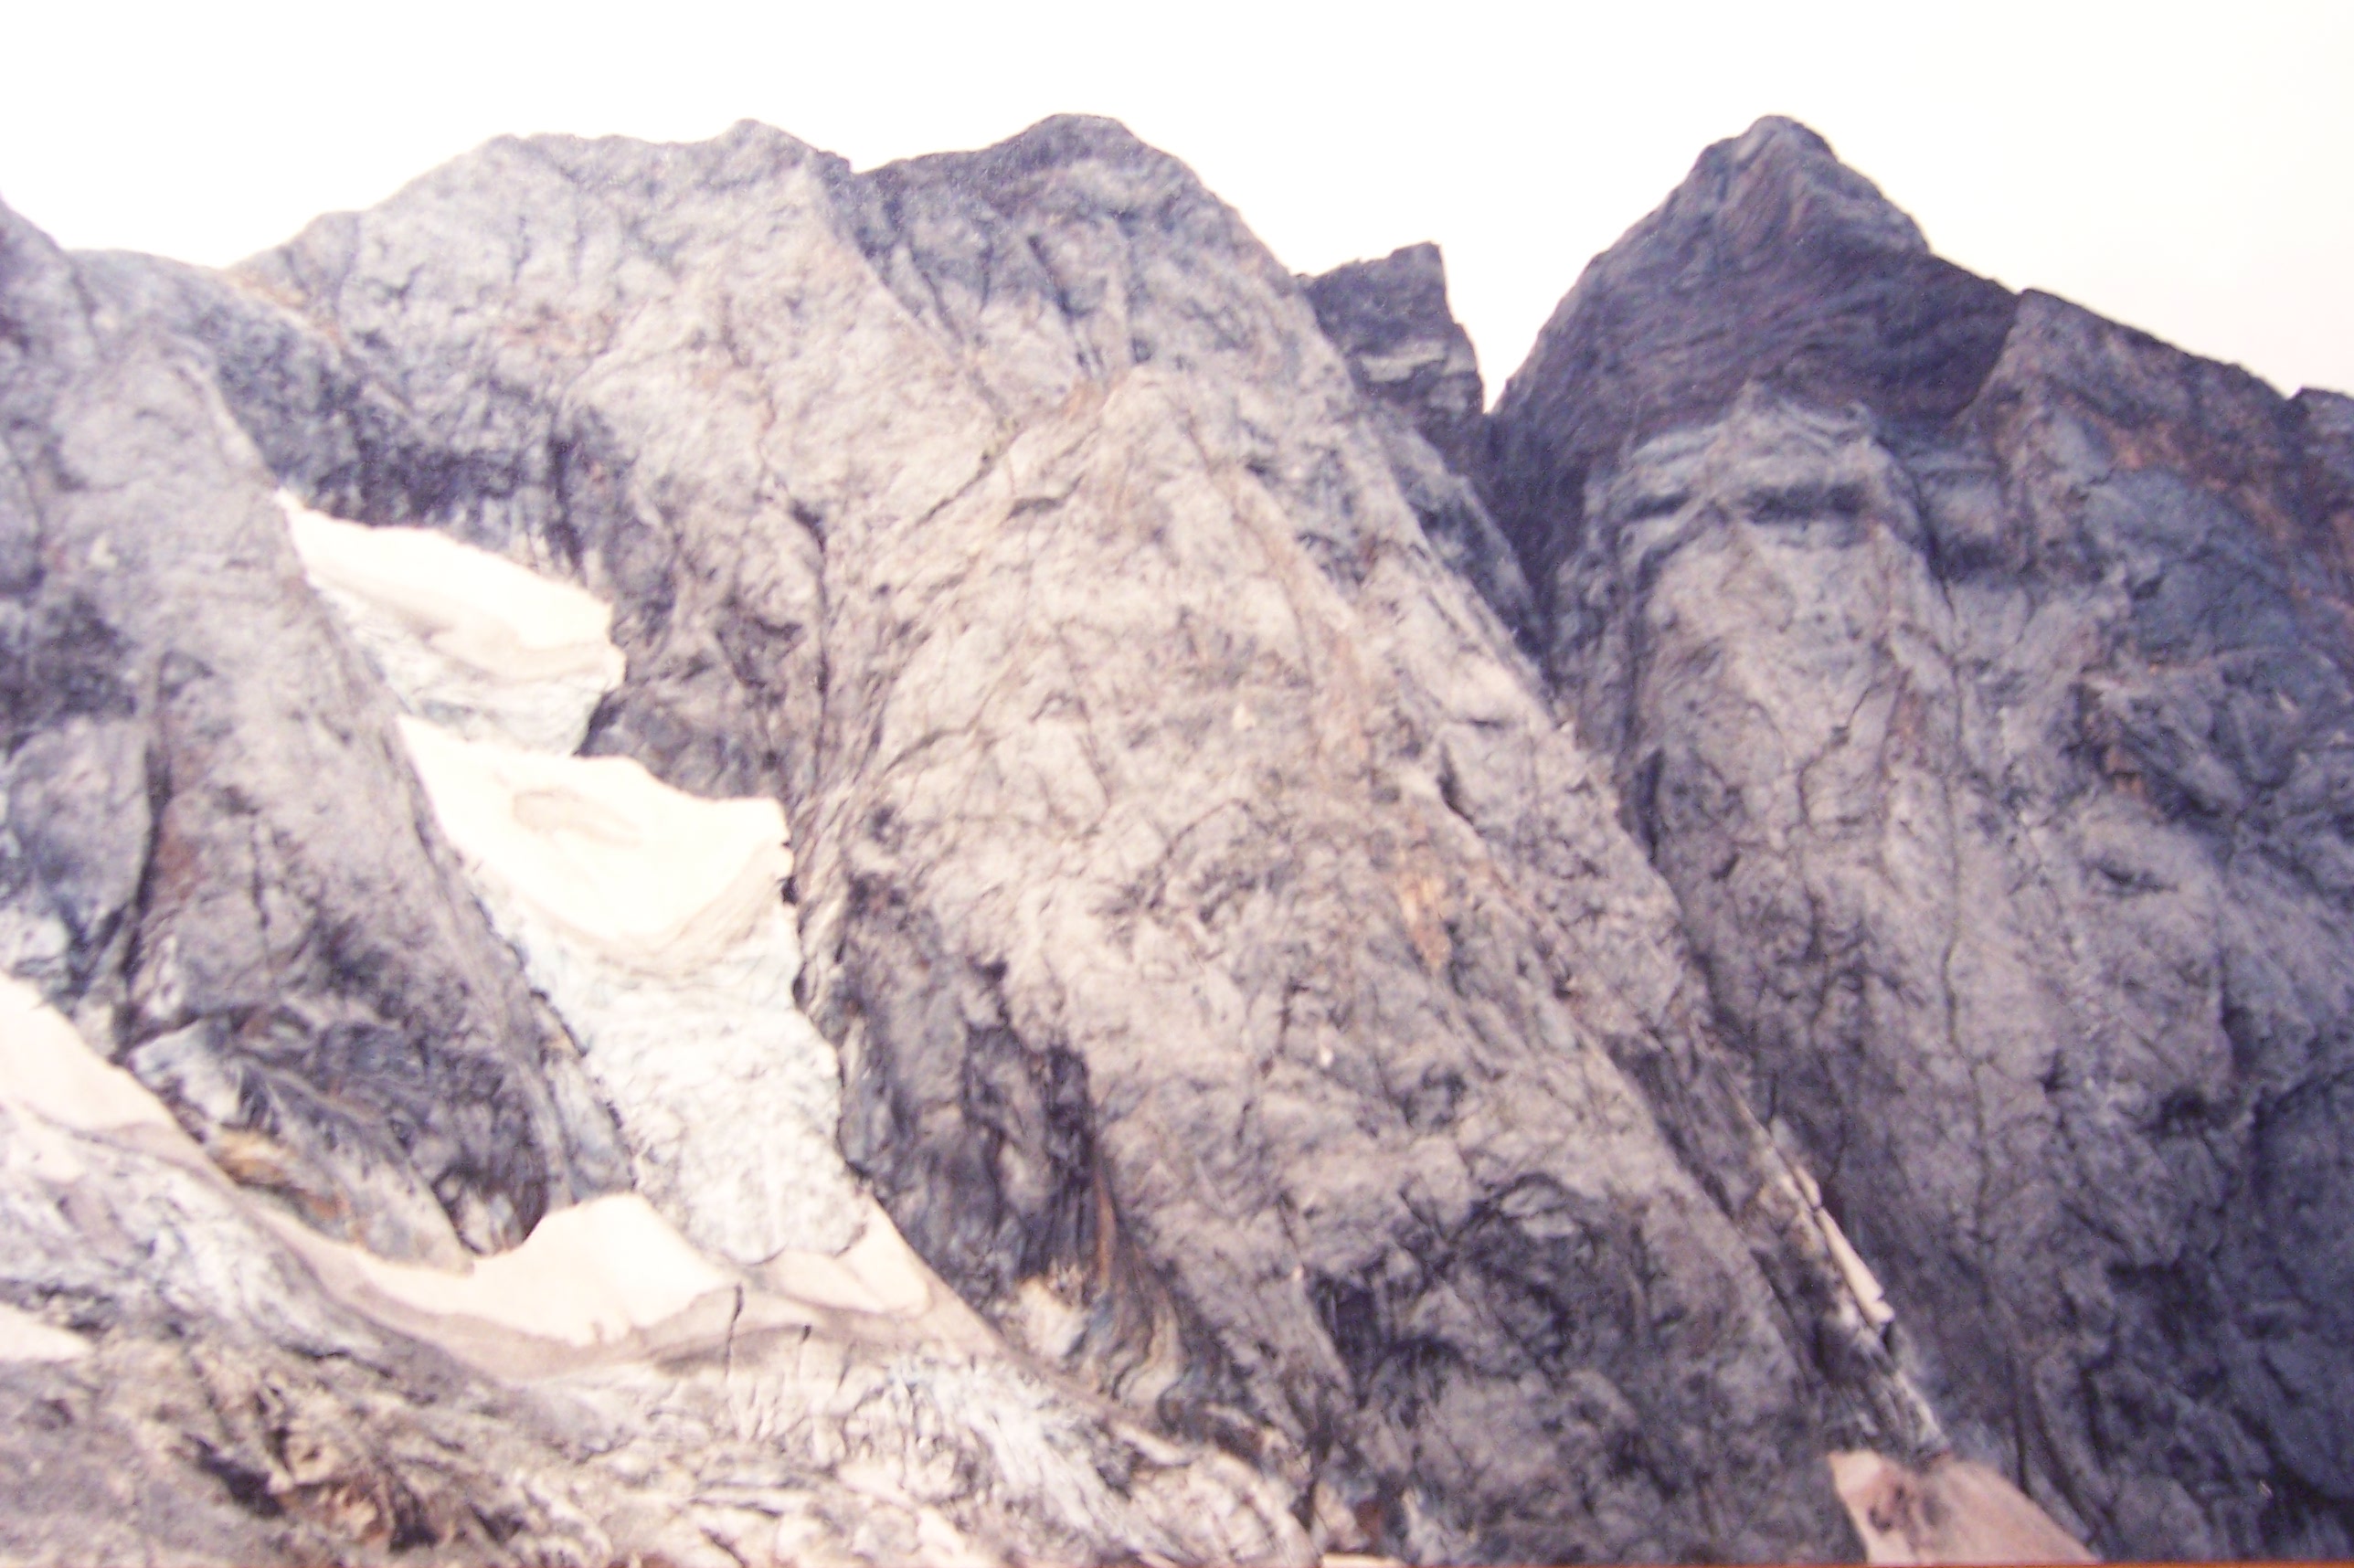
(1413, 362)
(256, 1346)
(214, 853)
(1352, 928)
(1246, 993)
(1976, 672)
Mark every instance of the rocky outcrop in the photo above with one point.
(265, 1343)
(215, 857)
(1413, 362)
(1772, 264)
(1976, 672)
(1404, 348)
(1246, 993)
(199, 1378)
(1469, 987)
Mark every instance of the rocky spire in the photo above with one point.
(1773, 262)
(1389, 319)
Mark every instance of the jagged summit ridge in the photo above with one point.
(1514, 988)
(1773, 264)
(1960, 654)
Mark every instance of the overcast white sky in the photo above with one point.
(2188, 168)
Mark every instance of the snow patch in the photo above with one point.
(46, 1067)
(588, 1275)
(1861, 1283)
(594, 1272)
(25, 1338)
(1950, 1511)
(463, 637)
(643, 874)
(879, 1273)
(653, 922)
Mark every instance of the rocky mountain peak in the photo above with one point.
(1802, 503)
(1389, 319)
(1779, 184)
(706, 857)
(1773, 264)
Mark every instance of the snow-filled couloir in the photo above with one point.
(469, 639)
(651, 919)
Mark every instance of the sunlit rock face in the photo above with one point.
(1976, 672)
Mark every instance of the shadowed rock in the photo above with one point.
(1390, 320)
(1773, 262)
(215, 855)
(1975, 671)
(1413, 362)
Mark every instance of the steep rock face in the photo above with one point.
(189, 1370)
(1976, 673)
(1246, 993)
(215, 855)
(1390, 320)
(1773, 264)
(1413, 362)
(193, 1377)
(1185, 1018)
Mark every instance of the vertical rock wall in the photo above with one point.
(1527, 977)
(1976, 672)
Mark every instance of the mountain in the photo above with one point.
(1731, 959)
(1975, 670)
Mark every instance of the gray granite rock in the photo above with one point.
(1390, 320)
(1413, 362)
(1397, 947)
(180, 1376)
(1774, 262)
(1976, 673)
(1246, 992)
(187, 1376)
(214, 854)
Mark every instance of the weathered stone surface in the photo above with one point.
(208, 1385)
(1282, 859)
(176, 1378)
(215, 855)
(1390, 320)
(1247, 994)
(1976, 673)
(1774, 262)
(1413, 362)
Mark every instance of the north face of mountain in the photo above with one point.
(1976, 673)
